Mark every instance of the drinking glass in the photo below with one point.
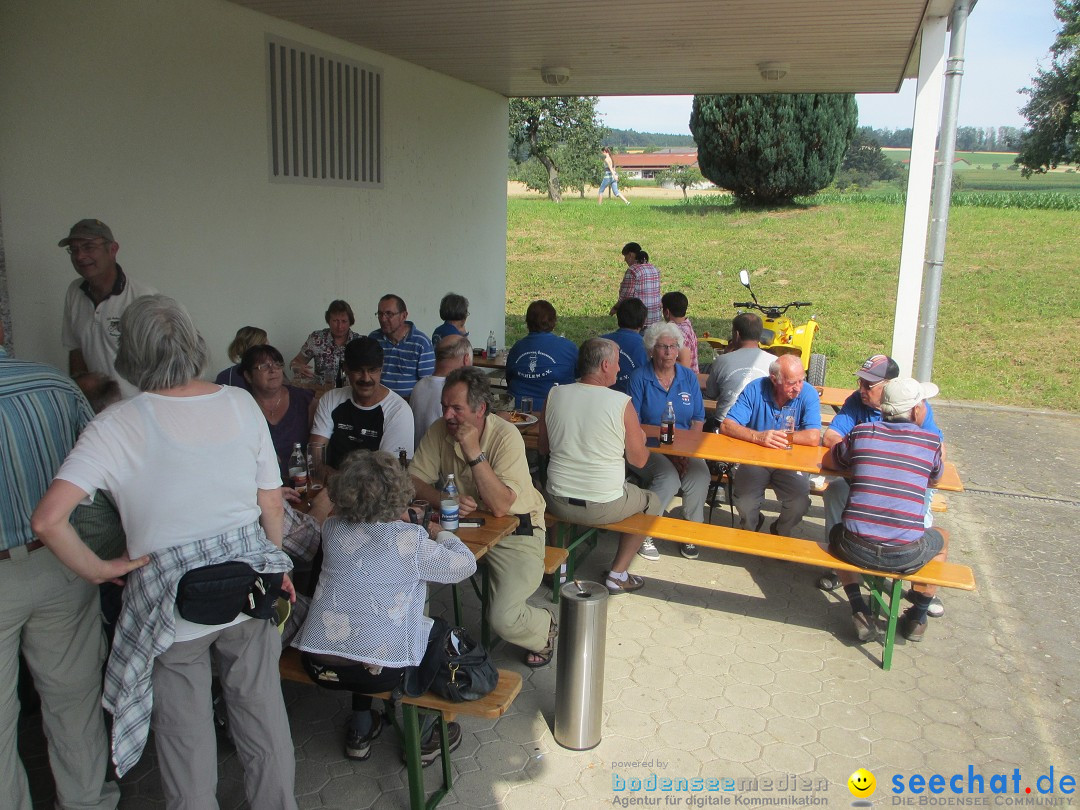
(525, 404)
(316, 468)
(787, 424)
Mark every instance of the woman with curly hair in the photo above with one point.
(367, 623)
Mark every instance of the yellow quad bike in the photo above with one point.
(782, 336)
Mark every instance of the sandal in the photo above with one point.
(534, 659)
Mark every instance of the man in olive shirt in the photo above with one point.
(486, 456)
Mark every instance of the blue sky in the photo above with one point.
(1007, 40)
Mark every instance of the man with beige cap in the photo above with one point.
(891, 464)
(96, 300)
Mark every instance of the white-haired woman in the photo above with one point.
(651, 388)
(192, 470)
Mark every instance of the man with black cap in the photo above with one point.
(365, 416)
(891, 462)
(864, 405)
(94, 304)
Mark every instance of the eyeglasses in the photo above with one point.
(270, 364)
(387, 313)
(869, 386)
(85, 247)
(667, 347)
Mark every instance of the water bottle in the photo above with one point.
(448, 505)
(298, 471)
(667, 426)
(492, 346)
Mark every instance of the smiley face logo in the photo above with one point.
(862, 784)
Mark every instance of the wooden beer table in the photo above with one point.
(497, 362)
(801, 458)
(833, 397)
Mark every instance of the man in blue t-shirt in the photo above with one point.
(631, 314)
(540, 359)
(407, 352)
(756, 417)
(864, 405)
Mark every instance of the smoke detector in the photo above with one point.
(555, 76)
(773, 71)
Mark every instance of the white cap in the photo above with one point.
(903, 394)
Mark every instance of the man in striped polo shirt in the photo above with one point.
(407, 352)
(891, 464)
(47, 614)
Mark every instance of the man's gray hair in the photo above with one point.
(160, 348)
(477, 388)
(453, 347)
(593, 352)
(659, 330)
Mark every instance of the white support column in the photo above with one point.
(920, 178)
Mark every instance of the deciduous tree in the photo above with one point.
(1053, 109)
(682, 177)
(769, 148)
(559, 131)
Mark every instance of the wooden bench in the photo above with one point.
(493, 705)
(885, 588)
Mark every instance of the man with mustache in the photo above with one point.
(365, 416)
(96, 300)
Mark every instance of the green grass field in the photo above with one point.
(978, 173)
(1010, 298)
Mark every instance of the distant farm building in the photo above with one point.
(645, 166)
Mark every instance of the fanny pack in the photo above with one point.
(217, 594)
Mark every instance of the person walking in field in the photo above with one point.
(611, 178)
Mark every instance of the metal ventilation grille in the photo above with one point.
(325, 117)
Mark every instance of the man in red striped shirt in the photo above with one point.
(891, 464)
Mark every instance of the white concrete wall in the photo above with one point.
(152, 117)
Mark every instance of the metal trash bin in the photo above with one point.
(579, 674)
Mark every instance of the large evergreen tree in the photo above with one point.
(557, 131)
(1053, 111)
(770, 148)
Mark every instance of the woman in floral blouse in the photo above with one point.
(326, 346)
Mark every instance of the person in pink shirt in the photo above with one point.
(674, 306)
(641, 280)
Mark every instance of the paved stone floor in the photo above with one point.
(734, 668)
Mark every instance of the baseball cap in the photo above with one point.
(877, 368)
(363, 352)
(88, 229)
(903, 394)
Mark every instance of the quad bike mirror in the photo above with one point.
(744, 278)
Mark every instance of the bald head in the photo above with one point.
(453, 351)
(787, 376)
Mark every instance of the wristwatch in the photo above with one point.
(477, 460)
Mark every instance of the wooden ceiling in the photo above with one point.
(635, 47)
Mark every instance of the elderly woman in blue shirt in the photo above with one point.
(651, 388)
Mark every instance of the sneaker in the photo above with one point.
(828, 582)
(431, 746)
(911, 629)
(936, 608)
(628, 585)
(865, 628)
(689, 550)
(359, 747)
(648, 550)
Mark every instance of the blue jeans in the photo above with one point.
(896, 559)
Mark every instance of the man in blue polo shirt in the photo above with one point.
(407, 352)
(756, 417)
(631, 314)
